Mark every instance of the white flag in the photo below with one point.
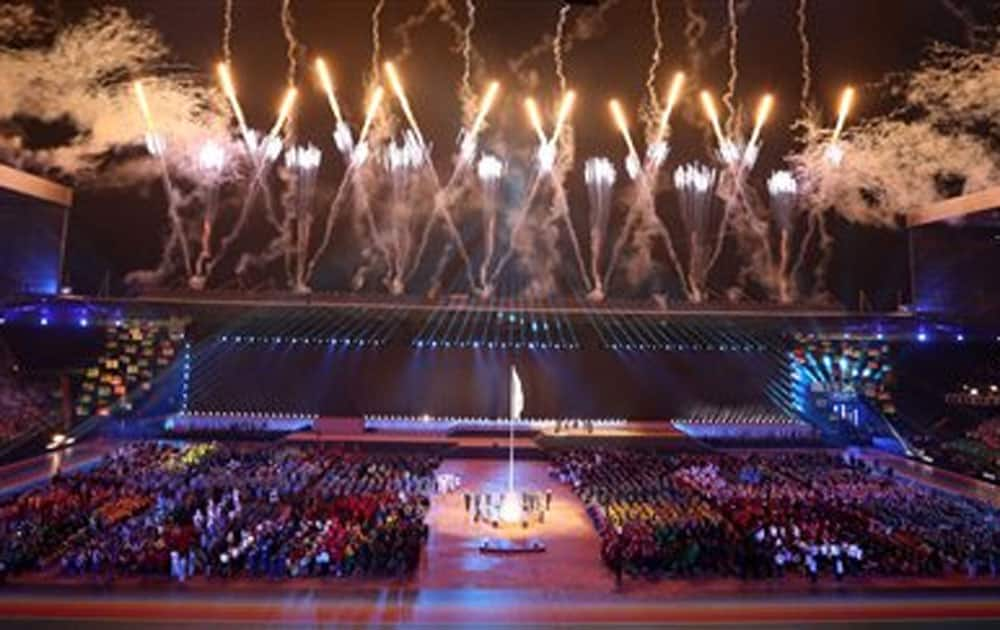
(516, 395)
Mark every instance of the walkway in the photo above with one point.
(453, 560)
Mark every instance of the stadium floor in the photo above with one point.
(456, 584)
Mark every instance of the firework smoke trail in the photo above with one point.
(466, 90)
(619, 118)
(643, 206)
(402, 162)
(804, 48)
(345, 144)
(557, 47)
(445, 196)
(635, 212)
(973, 30)
(647, 213)
(826, 254)
(734, 40)
(211, 161)
(599, 175)
(490, 171)
(546, 158)
(356, 155)
(262, 155)
(560, 206)
(589, 24)
(654, 64)
(376, 64)
(283, 115)
(695, 187)
(783, 192)
(804, 247)
(261, 150)
(522, 217)
(447, 16)
(304, 163)
(365, 182)
(694, 30)
(227, 32)
(462, 43)
(158, 148)
(288, 28)
(346, 182)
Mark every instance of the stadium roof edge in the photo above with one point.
(953, 208)
(34, 186)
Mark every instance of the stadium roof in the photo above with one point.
(972, 203)
(30, 185)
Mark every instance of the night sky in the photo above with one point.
(853, 41)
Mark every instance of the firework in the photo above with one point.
(154, 143)
(783, 192)
(397, 87)
(672, 97)
(211, 161)
(619, 116)
(565, 108)
(323, 73)
(846, 102)
(535, 118)
(763, 111)
(695, 187)
(599, 175)
(490, 171)
(713, 117)
(285, 111)
(229, 89)
(469, 142)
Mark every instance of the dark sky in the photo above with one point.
(852, 41)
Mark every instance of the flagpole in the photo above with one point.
(510, 470)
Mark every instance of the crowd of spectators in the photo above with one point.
(975, 451)
(214, 510)
(135, 352)
(768, 515)
(25, 402)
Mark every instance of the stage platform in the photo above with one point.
(654, 434)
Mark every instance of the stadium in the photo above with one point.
(468, 313)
